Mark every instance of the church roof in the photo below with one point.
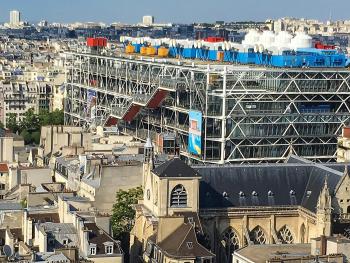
(182, 243)
(175, 168)
(288, 184)
(298, 182)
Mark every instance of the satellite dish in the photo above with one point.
(7, 251)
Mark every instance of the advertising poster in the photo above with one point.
(195, 133)
(91, 103)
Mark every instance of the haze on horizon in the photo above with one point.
(178, 11)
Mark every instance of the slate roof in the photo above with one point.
(275, 253)
(285, 184)
(177, 244)
(298, 182)
(193, 219)
(99, 237)
(175, 168)
(51, 257)
(5, 205)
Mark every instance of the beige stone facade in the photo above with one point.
(227, 229)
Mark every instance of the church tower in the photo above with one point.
(148, 165)
(324, 206)
(148, 151)
(342, 193)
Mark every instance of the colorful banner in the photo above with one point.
(91, 103)
(195, 133)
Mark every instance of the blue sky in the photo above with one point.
(131, 11)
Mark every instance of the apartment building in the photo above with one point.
(10, 144)
(343, 147)
(54, 138)
(99, 177)
(4, 179)
(69, 222)
(19, 97)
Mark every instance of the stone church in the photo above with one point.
(204, 213)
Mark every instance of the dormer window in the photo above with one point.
(108, 248)
(293, 199)
(270, 198)
(92, 249)
(255, 199)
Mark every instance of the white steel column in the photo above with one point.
(223, 118)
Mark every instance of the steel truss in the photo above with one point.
(249, 114)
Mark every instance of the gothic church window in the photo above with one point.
(347, 232)
(285, 235)
(178, 196)
(230, 242)
(257, 235)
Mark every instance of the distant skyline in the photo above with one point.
(177, 11)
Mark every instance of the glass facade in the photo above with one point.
(250, 114)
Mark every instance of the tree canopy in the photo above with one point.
(30, 122)
(11, 122)
(30, 126)
(123, 210)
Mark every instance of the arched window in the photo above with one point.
(178, 196)
(230, 243)
(348, 209)
(285, 235)
(257, 235)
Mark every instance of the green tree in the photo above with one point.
(27, 137)
(30, 121)
(45, 118)
(2, 126)
(11, 122)
(23, 203)
(123, 212)
(57, 117)
(35, 137)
